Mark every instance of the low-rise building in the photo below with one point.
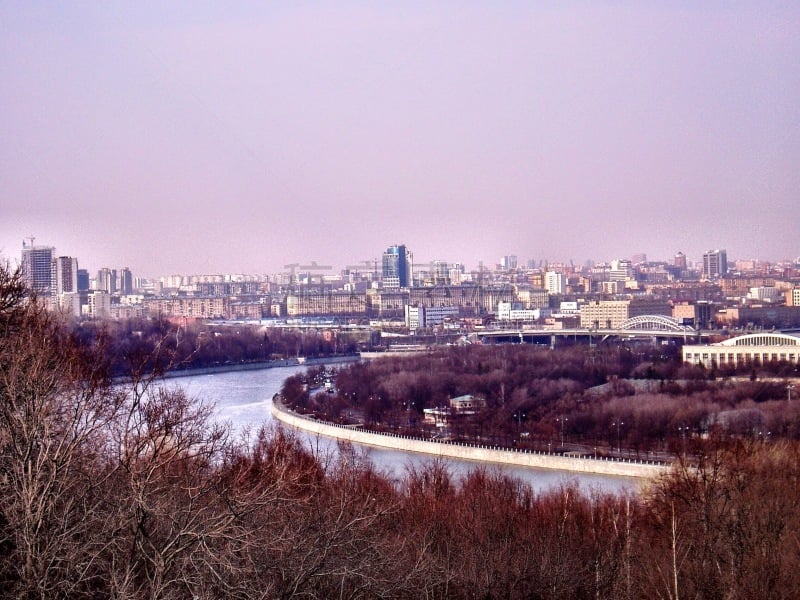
(467, 404)
(750, 349)
(460, 406)
(418, 317)
(514, 311)
(190, 307)
(127, 311)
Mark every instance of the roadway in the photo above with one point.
(592, 336)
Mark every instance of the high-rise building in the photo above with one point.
(440, 274)
(397, 267)
(621, 270)
(83, 280)
(456, 274)
(715, 264)
(125, 281)
(554, 282)
(680, 261)
(509, 262)
(65, 275)
(106, 280)
(37, 268)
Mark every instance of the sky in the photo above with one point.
(208, 137)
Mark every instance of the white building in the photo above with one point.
(428, 316)
(456, 274)
(621, 270)
(763, 294)
(715, 264)
(569, 308)
(508, 311)
(69, 303)
(750, 349)
(554, 282)
(612, 288)
(99, 306)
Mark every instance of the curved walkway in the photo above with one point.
(525, 458)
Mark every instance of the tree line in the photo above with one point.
(154, 344)
(639, 400)
(134, 491)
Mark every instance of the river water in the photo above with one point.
(244, 398)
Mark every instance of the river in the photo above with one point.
(243, 398)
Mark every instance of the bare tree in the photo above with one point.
(55, 407)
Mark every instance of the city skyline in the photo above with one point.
(196, 139)
(721, 265)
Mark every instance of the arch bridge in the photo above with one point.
(655, 323)
(650, 326)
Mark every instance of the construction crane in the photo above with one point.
(295, 268)
(365, 266)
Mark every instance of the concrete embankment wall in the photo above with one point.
(541, 460)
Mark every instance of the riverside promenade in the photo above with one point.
(462, 451)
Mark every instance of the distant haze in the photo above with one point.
(198, 137)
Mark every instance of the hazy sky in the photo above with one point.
(203, 137)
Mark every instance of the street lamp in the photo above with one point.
(562, 420)
(619, 443)
(683, 431)
(789, 389)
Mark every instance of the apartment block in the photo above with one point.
(64, 275)
(604, 314)
(99, 305)
(327, 303)
(37, 268)
(555, 282)
(386, 303)
(612, 314)
(189, 307)
(715, 264)
(793, 297)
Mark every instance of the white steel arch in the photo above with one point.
(655, 323)
(762, 339)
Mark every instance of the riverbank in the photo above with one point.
(257, 366)
(483, 454)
